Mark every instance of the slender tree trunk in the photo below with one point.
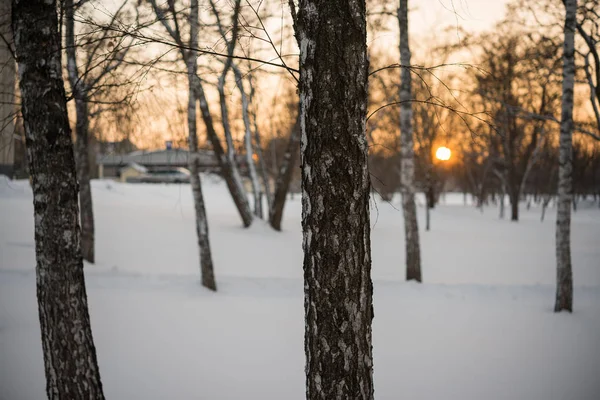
(227, 127)
(68, 347)
(335, 199)
(564, 275)
(411, 228)
(427, 217)
(502, 178)
(514, 203)
(249, 148)
(80, 93)
(233, 181)
(284, 177)
(206, 263)
(86, 212)
(545, 203)
(236, 178)
(261, 160)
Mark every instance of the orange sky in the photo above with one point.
(426, 19)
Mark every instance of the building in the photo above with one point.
(110, 165)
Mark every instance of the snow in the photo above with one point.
(481, 327)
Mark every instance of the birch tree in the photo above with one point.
(68, 347)
(335, 198)
(169, 18)
(257, 138)
(564, 274)
(407, 167)
(83, 83)
(589, 30)
(228, 64)
(284, 176)
(239, 80)
(248, 143)
(190, 56)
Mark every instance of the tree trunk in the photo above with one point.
(80, 93)
(235, 173)
(206, 263)
(227, 127)
(233, 181)
(86, 211)
(261, 160)
(545, 203)
(564, 275)
(249, 148)
(411, 228)
(236, 178)
(514, 204)
(284, 177)
(68, 347)
(335, 199)
(427, 217)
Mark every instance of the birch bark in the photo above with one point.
(206, 263)
(564, 274)
(411, 228)
(69, 354)
(335, 199)
(80, 93)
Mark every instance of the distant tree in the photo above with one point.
(518, 84)
(68, 347)
(407, 168)
(564, 274)
(335, 198)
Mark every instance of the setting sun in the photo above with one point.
(443, 153)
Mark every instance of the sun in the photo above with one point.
(443, 153)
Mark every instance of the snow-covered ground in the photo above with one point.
(481, 327)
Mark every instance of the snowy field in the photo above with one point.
(481, 327)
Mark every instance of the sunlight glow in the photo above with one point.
(443, 153)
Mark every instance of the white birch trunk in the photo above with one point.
(80, 95)
(249, 148)
(67, 345)
(411, 229)
(206, 263)
(564, 277)
(258, 148)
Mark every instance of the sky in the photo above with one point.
(475, 15)
(427, 19)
